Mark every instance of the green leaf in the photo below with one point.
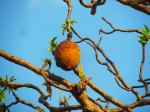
(2, 95)
(3, 107)
(50, 48)
(12, 79)
(64, 29)
(53, 44)
(146, 28)
(54, 40)
(73, 22)
(80, 70)
(145, 35)
(143, 41)
(61, 95)
(1, 79)
(64, 25)
(4, 89)
(6, 79)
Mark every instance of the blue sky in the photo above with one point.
(27, 25)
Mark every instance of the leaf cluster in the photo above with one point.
(64, 25)
(145, 35)
(53, 44)
(6, 79)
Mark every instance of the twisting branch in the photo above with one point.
(93, 2)
(140, 86)
(50, 81)
(85, 4)
(93, 44)
(117, 29)
(116, 73)
(93, 5)
(13, 103)
(141, 71)
(68, 15)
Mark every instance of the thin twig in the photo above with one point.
(117, 73)
(140, 86)
(134, 105)
(68, 15)
(98, 104)
(27, 103)
(141, 70)
(13, 103)
(117, 29)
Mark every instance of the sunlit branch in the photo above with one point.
(68, 14)
(98, 104)
(35, 69)
(102, 93)
(134, 105)
(50, 81)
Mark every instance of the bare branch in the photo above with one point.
(85, 4)
(27, 103)
(134, 105)
(116, 74)
(13, 103)
(93, 5)
(138, 5)
(141, 70)
(94, 46)
(17, 85)
(68, 15)
(117, 29)
(140, 86)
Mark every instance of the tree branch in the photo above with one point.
(114, 29)
(137, 4)
(141, 71)
(102, 93)
(134, 105)
(117, 73)
(35, 69)
(50, 82)
(27, 103)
